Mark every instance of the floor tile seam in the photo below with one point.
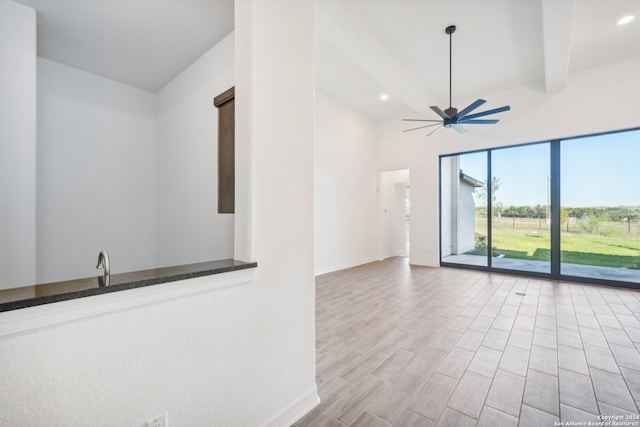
(329, 402)
(625, 383)
(367, 396)
(373, 415)
(370, 372)
(570, 368)
(500, 410)
(546, 373)
(527, 380)
(422, 415)
(537, 409)
(614, 358)
(486, 396)
(578, 409)
(409, 400)
(493, 317)
(459, 412)
(334, 419)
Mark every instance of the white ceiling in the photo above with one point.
(498, 45)
(143, 43)
(365, 47)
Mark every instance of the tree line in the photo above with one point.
(614, 214)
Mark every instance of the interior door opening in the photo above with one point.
(395, 213)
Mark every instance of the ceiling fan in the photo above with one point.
(451, 117)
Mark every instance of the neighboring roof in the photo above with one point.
(469, 180)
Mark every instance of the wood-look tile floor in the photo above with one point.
(400, 345)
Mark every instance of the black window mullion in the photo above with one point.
(489, 210)
(555, 208)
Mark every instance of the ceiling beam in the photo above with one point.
(349, 37)
(557, 20)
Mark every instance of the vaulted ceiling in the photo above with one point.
(143, 43)
(370, 47)
(364, 47)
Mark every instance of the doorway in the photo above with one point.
(395, 213)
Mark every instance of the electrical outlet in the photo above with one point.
(159, 421)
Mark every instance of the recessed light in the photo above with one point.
(626, 20)
(384, 97)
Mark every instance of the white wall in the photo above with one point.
(96, 174)
(346, 198)
(17, 145)
(189, 228)
(275, 90)
(596, 100)
(125, 170)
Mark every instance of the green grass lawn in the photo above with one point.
(527, 241)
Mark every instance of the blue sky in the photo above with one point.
(596, 171)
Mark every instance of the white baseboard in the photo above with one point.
(295, 410)
(423, 263)
(326, 270)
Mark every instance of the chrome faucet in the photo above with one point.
(103, 262)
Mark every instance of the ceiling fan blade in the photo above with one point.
(421, 120)
(439, 112)
(459, 129)
(435, 130)
(486, 113)
(422, 127)
(478, 121)
(469, 109)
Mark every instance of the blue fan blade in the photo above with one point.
(422, 127)
(469, 109)
(440, 112)
(486, 113)
(478, 122)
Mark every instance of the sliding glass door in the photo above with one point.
(561, 209)
(521, 232)
(464, 209)
(600, 207)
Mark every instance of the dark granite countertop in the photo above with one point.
(12, 299)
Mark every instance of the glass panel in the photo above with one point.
(463, 210)
(600, 207)
(520, 225)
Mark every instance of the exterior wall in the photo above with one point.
(466, 218)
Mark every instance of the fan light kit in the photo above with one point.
(626, 20)
(451, 118)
